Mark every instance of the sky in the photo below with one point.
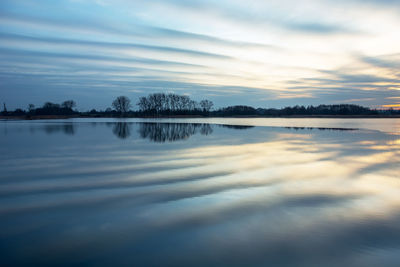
(263, 53)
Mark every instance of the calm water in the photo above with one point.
(107, 192)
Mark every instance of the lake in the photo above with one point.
(200, 192)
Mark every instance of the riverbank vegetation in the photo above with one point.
(173, 105)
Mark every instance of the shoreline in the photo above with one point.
(57, 117)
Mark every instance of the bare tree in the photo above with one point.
(122, 104)
(50, 105)
(185, 101)
(175, 101)
(206, 105)
(31, 107)
(143, 104)
(193, 105)
(69, 104)
(160, 103)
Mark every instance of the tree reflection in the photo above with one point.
(236, 127)
(170, 132)
(163, 132)
(122, 130)
(67, 128)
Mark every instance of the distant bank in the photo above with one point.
(54, 117)
(161, 105)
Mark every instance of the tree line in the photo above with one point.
(173, 104)
(342, 109)
(48, 108)
(160, 104)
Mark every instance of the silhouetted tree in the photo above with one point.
(122, 104)
(206, 105)
(31, 108)
(143, 104)
(18, 112)
(50, 108)
(69, 104)
(237, 110)
(167, 104)
(50, 105)
(342, 109)
(172, 104)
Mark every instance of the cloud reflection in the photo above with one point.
(268, 194)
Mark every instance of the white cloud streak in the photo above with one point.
(287, 52)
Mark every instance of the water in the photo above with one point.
(108, 192)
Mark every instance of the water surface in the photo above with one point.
(107, 192)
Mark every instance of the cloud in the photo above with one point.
(378, 2)
(61, 41)
(390, 62)
(271, 53)
(257, 13)
(317, 28)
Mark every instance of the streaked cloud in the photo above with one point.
(262, 53)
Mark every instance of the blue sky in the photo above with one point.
(260, 53)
